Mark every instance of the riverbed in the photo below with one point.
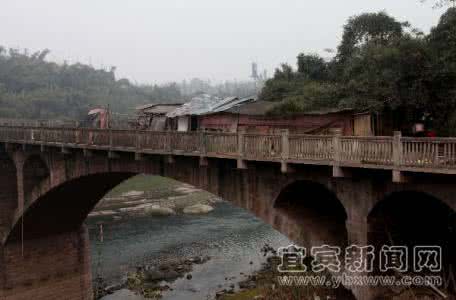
(230, 236)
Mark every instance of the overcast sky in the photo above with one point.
(171, 40)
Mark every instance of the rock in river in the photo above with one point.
(133, 194)
(159, 210)
(198, 209)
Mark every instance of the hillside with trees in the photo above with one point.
(381, 65)
(32, 87)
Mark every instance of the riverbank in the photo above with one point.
(136, 245)
(264, 284)
(154, 196)
(150, 280)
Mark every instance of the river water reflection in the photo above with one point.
(231, 236)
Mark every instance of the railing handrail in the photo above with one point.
(424, 154)
(429, 139)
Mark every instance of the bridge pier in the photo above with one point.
(50, 267)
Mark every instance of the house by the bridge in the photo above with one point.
(153, 116)
(232, 114)
(189, 116)
(253, 117)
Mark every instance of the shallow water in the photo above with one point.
(231, 236)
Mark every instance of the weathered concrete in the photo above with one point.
(48, 194)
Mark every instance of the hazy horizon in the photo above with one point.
(172, 40)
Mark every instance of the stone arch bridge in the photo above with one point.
(317, 190)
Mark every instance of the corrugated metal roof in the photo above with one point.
(96, 111)
(205, 104)
(261, 107)
(154, 108)
(258, 107)
(235, 104)
(328, 111)
(141, 107)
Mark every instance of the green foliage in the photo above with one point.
(373, 28)
(312, 67)
(394, 74)
(380, 65)
(31, 87)
(442, 40)
(310, 96)
(443, 3)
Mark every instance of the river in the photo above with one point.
(232, 237)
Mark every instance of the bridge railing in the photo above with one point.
(311, 147)
(157, 142)
(367, 150)
(217, 143)
(185, 142)
(429, 152)
(385, 152)
(262, 147)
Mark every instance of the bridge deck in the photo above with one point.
(430, 155)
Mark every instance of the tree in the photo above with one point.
(312, 67)
(442, 39)
(378, 28)
(443, 3)
(380, 66)
(285, 72)
(31, 87)
(442, 43)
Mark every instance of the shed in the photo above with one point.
(253, 117)
(153, 116)
(188, 115)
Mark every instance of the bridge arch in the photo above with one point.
(310, 214)
(35, 171)
(65, 207)
(48, 236)
(411, 218)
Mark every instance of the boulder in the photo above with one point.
(171, 275)
(198, 209)
(159, 210)
(153, 275)
(133, 194)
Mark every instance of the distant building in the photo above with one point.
(96, 118)
(153, 117)
(189, 115)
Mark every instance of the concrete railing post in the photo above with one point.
(398, 176)
(337, 154)
(337, 157)
(138, 140)
(203, 146)
(240, 144)
(240, 161)
(285, 144)
(110, 138)
(24, 135)
(285, 150)
(397, 149)
(168, 141)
